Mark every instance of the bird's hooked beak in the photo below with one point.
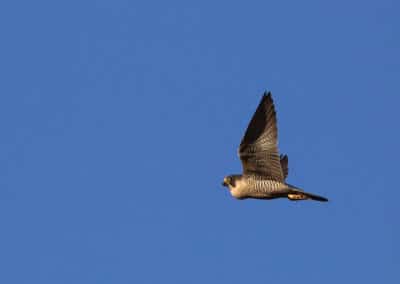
(225, 182)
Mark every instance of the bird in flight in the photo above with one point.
(264, 170)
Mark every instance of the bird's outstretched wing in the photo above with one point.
(258, 150)
(285, 165)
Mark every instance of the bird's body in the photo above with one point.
(264, 170)
(252, 186)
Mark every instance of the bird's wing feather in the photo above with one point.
(284, 165)
(258, 150)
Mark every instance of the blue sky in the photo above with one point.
(119, 120)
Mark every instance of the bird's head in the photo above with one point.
(229, 181)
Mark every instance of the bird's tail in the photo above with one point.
(296, 194)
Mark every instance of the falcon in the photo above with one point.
(264, 170)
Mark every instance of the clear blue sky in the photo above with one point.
(119, 120)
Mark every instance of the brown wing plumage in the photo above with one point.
(284, 165)
(258, 150)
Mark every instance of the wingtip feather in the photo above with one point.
(267, 94)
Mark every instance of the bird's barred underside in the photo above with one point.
(265, 185)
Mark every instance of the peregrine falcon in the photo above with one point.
(264, 170)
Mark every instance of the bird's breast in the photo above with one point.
(240, 190)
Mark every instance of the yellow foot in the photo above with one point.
(297, 196)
